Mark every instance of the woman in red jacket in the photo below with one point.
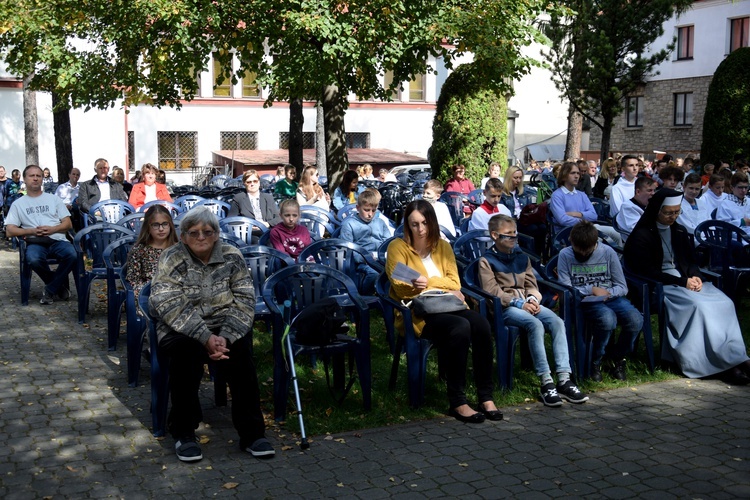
(149, 189)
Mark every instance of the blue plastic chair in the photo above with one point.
(25, 271)
(115, 258)
(303, 285)
(724, 240)
(317, 225)
(327, 215)
(132, 221)
(91, 242)
(506, 336)
(219, 181)
(188, 201)
(173, 208)
(219, 208)
(262, 262)
(265, 239)
(472, 245)
(242, 228)
(346, 211)
(160, 373)
(476, 197)
(108, 211)
(455, 203)
(383, 251)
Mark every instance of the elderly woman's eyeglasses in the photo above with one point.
(197, 233)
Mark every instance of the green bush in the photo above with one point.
(470, 127)
(726, 124)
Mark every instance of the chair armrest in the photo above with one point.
(478, 297)
(713, 277)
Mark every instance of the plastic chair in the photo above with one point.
(173, 208)
(383, 251)
(242, 228)
(262, 262)
(326, 215)
(109, 211)
(91, 242)
(464, 227)
(455, 203)
(132, 221)
(219, 181)
(415, 348)
(25, 271)
(219, 208)
(317, 225)
(724, 240)
(115, 257)
(472, 245)
(506, 336)
(476, 197)
(160, 373)
(303, 285)
(602, 210)
(188, 201)
(265, 239)
(393, 199)
(346, 211)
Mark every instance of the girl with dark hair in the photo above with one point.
(157, 233)
(347, 191)
(453, 333)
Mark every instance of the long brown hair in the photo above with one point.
(144, 237)
(433, 228)
(307, 185)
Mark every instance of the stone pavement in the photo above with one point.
(70, 427)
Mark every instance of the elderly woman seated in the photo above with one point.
(203, 299)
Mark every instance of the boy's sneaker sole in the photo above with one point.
(187, 450)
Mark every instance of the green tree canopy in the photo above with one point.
(726, 123)
(600, 53)
(470, 126)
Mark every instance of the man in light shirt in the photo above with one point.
(100, 188)
(625, 187)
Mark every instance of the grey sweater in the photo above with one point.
(602, 269)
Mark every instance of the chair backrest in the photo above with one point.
(188, 201)
(304, 284)
(116, 253)
(231, 239)
(393, 199)
(338, 254)
(219, 181)
(383, 250)
(173, 208)
(346, 211)
(324, 214)
(218, 207)
(476, 197)
(132, 221)
(472, 245)
(720, 237)
(265, 239)
(454, 201)
(110, 211)
(316, 224)
(464, 227)
(242, 227)
(262, 262)
(94, 239)
(602, 209)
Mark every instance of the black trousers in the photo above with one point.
(186, 359)
(453, 334)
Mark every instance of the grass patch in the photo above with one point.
(323, 415)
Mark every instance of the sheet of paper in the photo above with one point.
(404, 273)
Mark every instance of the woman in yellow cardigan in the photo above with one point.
(422, 250)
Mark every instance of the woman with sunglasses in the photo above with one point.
(703, 334)
(157, 234)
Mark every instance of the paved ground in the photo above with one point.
(71, 428)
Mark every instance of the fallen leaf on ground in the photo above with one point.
(229, 486)
(463, 464)
(204, 440)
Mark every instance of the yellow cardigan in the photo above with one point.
(445, 261)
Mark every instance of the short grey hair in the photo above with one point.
(199, 216)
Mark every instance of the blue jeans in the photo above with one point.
(63, 251)
(534, 327)
(603, 317)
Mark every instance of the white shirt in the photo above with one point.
(731, 211)
(67, 193)
(628, 216)
(621, 192)
(692, 216)
(104, 193)
(709, 201)
(150, 192)
(444, 216)
(480, 219)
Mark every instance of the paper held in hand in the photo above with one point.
(404, 273)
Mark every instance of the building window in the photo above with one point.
(239, 140)
(223, 89)
(358, 140)
(685, 42)
(250, 87)
(131, 150)
(308, 140)
(416, 89)
(739, 33)
(177, 150)
(683, 109)
(635, 111)
(387, 81)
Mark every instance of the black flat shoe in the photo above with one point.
(476, 418)
(735, 376)
(493, 415)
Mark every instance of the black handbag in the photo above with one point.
(45, 241)
(436, 302)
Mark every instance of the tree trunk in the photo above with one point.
(320, 139)
(333, 116)
(63, 139)
(606, 135)
(575, 131)
(30, 124)
(296, 120)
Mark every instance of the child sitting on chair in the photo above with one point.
(289, 236)
(369, 231)
(505, 272)
(594, 270)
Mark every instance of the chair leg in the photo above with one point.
(396, 362)
(135, 343)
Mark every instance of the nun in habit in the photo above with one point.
(703, 334)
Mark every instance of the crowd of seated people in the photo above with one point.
(192, 328)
